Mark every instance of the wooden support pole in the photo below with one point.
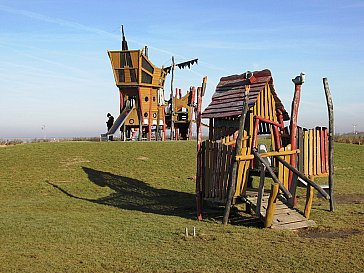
(272, 201)
(309, 199)
(260, 189)
(199, 191)
(158, 115)
(330, 109)
(237, 151)
(172, 104)
(191, 110)
(293, 127)
(140, 116)
(150, 114)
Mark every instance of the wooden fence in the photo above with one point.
(314, 151)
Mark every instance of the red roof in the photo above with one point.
(227, 101)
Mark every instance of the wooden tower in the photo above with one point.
(141, 86)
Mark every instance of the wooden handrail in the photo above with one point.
(268, 154)
(304, 178)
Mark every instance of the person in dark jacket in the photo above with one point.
(110, 121)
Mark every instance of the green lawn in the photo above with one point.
(110, 207)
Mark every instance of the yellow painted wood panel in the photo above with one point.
(306, 153)
(280, 167)
(286, 170)
(310, 145)
(274, 109)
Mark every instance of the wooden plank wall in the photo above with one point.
(265, 106)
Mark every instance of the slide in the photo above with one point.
(121, 118)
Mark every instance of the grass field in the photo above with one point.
(111, 207)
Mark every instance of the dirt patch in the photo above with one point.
(349, 199)
(327, 234)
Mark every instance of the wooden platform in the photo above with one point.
(284, 216)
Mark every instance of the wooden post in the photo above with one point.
(293, 127)
(158, 114)
(260, 189)
(330, 109)
(191, 108)
(272, 201)
(122, 103)
(237, 151)
(172, 104)
(309, 199)
(200, 91)
(150, 118)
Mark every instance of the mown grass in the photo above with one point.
(123, 207)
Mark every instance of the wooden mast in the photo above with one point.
(330, 109)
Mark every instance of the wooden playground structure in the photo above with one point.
(243, 108)
(143, 110)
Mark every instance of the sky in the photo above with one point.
(56, 78)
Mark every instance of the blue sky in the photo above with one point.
(54, 68)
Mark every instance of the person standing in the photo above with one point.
(110, 121)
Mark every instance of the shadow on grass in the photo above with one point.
(133, 194)
(236, 218)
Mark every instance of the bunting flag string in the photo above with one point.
(181, 65)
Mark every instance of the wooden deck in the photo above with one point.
(284, 216)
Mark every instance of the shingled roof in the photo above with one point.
(227, 101)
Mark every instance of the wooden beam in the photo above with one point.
(268, 154)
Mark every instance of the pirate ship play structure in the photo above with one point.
(143, 108)
(244, 107)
